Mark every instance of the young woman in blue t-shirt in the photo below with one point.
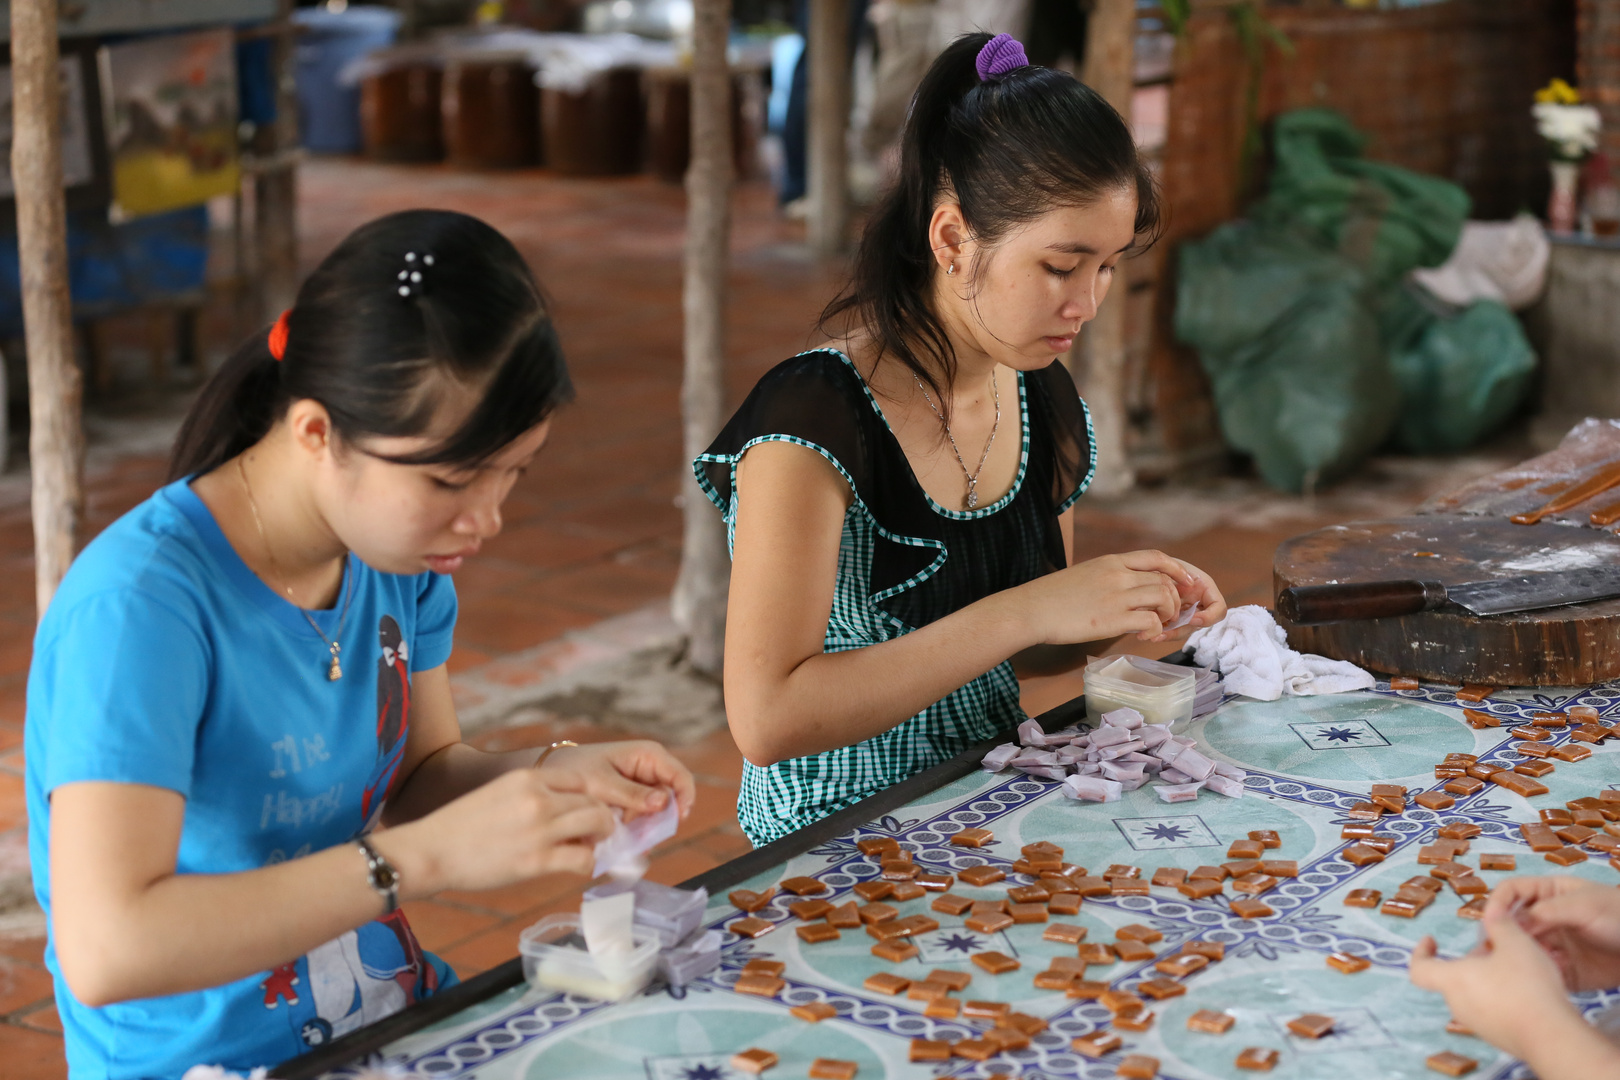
(242, 751)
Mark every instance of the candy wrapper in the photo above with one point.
(621, 854)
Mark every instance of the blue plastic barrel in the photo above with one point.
(329, 112)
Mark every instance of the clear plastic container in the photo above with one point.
(1162, 693)
(550, 964)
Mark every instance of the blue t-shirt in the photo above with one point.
(164, 660)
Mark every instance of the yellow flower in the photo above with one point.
(1558, 92)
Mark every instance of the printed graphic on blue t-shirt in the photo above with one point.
(163, 660)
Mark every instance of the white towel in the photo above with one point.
(1251, 652)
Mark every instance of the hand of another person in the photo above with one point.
(1576, 921)
(634, 775)
(1138, 592)
(516, 827)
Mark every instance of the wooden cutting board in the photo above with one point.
(1567, 646)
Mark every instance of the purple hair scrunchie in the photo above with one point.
(1001, 55)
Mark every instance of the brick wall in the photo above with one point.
(1597, 66)
(1444, 89)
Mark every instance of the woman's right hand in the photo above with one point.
(1138, 592)
(1576, 921)
(512, 829)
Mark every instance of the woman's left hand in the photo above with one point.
(1195, 587)
(635, 775)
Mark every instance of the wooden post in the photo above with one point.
(827, 138)
(56, 439)
(699, 602)
(1100, 351)
(275, 185)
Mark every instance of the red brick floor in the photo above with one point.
(591, 531)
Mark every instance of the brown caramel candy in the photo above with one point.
(758, 985)
(974, 838)
(1434, 800)
(895, 950)
(1245, 849)
(816, 933)
(1572, 753)
(1496, 861)
(1254, 884)
(1041, 847)
(751, 927)
(1138, 932)
(1478, 718)
(1133, 952)
(934, 882)
(764, 967)
(1028, 913)
(1540, 837)
(810, 909)
(1168, 877)
(1366, 898)
(944, 1008)
(1391, 804)
(1534, 750)
(1097, 1044)
(1138, 1067)
(1067, 933)
(885, 983)
(1555, 817)
(988, 923)
(1590, 733)
(1053, 980)
(906, 890)
(1209, 873)
(1403, 682)
(1140, 1021)
(753, 1060)
(877, 913)
(926, 990)
(750, 901)
(1461, 831)
(1007, 1038)
(956, 980)
(875, 890)
(814, 1012)
(951, 904)
(877, 845)
(1530, 734)
(1449, 772)
(833, 1069)
(1566, 856)
(1128, 887)
(845, 916)
(1086, 989)
(1451, 1064)
(1447, 870)
(1381, 844)
(1474, 909)
(919, 924)
(1064, 904)
(991, 907)
(1464, 785)
(1211, 950)
(1348, 964)
(1475, 692)
(1405, 909)
(1199, 889)
(1534, 769)
(930, 1050)
(1311, 1025)
(1092, 886)
(1239, 867)
(1210, 1022)
(1258, 1059)
(1121, 1002)
(1097, 952)
(995, 963)
(1183, 965)
(804, 886)
(1029, 1025)
(1575, 834)
(1028, 894)
(1549, 719)
(1361, 855)
(1160, 989)
(980, 876)
(1121, 870)
(976, 1049)
(1365, 811)
(1524, 786)
(898, 869)
(1427, 884)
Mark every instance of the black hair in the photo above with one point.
(1008, 149)
(372, 344)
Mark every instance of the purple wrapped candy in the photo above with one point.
(1225, 785)
(1092, 789)
(1127, 718)
(1194, 764)
(1030, 733)
(1000, 757)
(1178, 792)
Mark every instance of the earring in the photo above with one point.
(951, 269)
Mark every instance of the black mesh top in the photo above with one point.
(927, 561)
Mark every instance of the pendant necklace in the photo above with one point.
(972, 499)
(334, 671)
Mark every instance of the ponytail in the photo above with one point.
(1007, 149)
(235, 409)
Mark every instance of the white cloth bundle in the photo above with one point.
(1251, 652)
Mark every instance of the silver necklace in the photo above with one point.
(972, 499)
(335, 671)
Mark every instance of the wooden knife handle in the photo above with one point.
(1307, 604)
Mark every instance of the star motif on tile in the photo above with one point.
(1338, 734)
(1165, 832)
(962, 943)
(703, 1072)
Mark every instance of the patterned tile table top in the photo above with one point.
(1309, 761)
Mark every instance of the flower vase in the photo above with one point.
(1561, 204)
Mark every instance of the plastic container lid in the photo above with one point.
(1162, 693)
(550, 964)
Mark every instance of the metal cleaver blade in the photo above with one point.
(1532, 592)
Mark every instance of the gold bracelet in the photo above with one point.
(558, 745)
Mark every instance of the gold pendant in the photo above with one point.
(335, 672)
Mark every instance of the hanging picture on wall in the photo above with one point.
(84, 164)
(171, 121)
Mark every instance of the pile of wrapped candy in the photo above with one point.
(1121, 754)
(685, 951)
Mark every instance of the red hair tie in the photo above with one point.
(278, 336)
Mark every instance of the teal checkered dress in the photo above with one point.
(903, 562)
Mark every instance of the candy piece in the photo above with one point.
(1254, 884)
(1053, 980)
(1138, 1067)
(1434, 800)
(1402, 682)
(1533, 750)
(930, 1050)
(1311, 1025)
(1086, 989)
(1540, 837)
(1066, 933)
(1007, 1039)
(995, 963)
(1096, 952)
(1134, 952)
(934, 882)
(804, 886)
(1029, 913)
(1403, 908)
(1064, 904)
(907, 890)
(816, 933)
(918, 924)
(751, 927)
(976, 1049)
(758, 985)
(1028, 894)
(1199, 889)
(1160, 989)
(750, 901)
(1569, 752)
(1535, 769)
(1475, 692)
(1138, 932)
(1451, 1064)
(1097, 1044)
(1456, 1027)
(1524, 786)
(1348, 964)
(1568, 856)
(1363, 898)
(898, 869)
(1245, 849)
(1029, 1025)
(814, 1012)
(1093, 789)
(980, 876)
(810, 909)
(1575, 834)
(1239, 867)
(991, 907)
(1590, 733)
(1280, 867)
(944, 1008)
(988, 924)
(1128, 887)
(1092, 886)
(877, 913)
(1140, 1021)
(1361, 855)
(1478, 718)
(1530, 733)
(1251, 909)
(753, 1061)
(871, 891)
(951, 904)
(1391, 804)
(1168, 877)
(1384, 845)
(874, 845)
(926, 990)
(1183, 965)
(1211, 1022)
(1449, 772)
(1364, 811)
(1258, 1059)
(885, 983)
(1121, 1002)
(1549, 719)
(974, 838)
(845, 916)
(1464, 785)
(896, 950)
(1496, 861)
(833, 1069)
(1225, 785)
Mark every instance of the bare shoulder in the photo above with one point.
(785, 472)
